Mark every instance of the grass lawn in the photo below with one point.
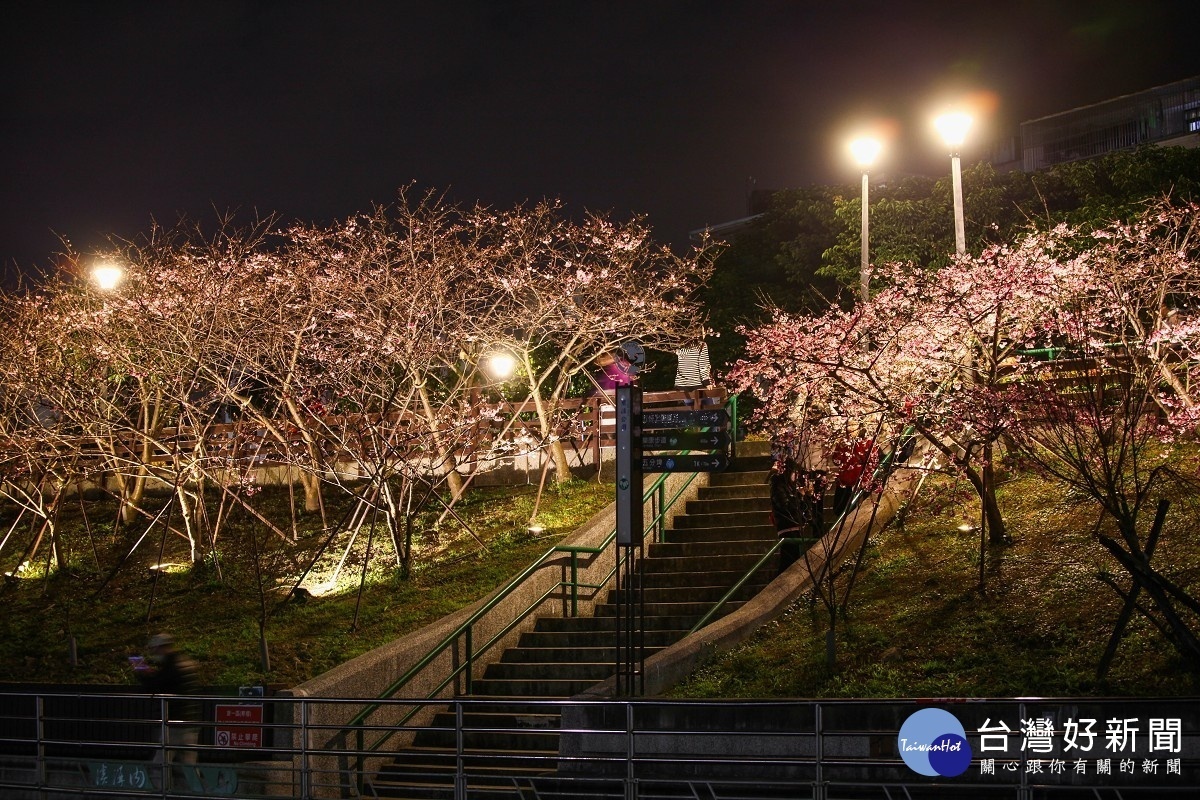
(216, 619)
(918, 626)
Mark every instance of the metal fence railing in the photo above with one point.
(732, 750)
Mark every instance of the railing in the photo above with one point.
(464, 632)
(660, 505)
(340, 438)
(622, 749)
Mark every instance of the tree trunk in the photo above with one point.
(132, 491)
(445, 465)
(562, 469)
(312, 491)
(189, 510)
(997, 533)
(986, 489)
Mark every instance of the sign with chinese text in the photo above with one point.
(714, 418)
(238, 725)
(686, 440)
(691, 462)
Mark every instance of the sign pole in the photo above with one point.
(630, 528)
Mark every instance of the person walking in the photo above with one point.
(693, 370)
(169, 671)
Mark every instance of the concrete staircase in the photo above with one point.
(512, 736)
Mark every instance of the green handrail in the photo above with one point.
(464, 630)
(885, 463)
(656, 492)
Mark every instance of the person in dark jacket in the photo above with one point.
(169, 671)
(797, 508)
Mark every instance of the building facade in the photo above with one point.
(1165, 115)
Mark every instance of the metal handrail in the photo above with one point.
(57, 752)
(885, 464)
(656, 494)
(358, 723)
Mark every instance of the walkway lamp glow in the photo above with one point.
(107, 275)
(500, 365)
(865, 150)
(953, 128)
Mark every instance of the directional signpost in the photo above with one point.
(653, 420)
(704, 435)
(685, 440)
(688, 462)
(665, 430)
(629, 466)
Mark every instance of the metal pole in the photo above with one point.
(864, 280)
(40, 711)
(305, 765)
(630, 779)
(460, 774)
(960, 236)
(819, 753)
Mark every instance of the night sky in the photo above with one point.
(116, 113)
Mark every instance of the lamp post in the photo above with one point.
(953, 128)
(865, 149)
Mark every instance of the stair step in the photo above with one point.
(561, 688)
(487, 739)
(727, 506)
(748, 491)
(707, 595)
(765, 535)
(594, 671)
(704, 547)
(433, 762)
(580, 639)
(682, 609)
(749, 460)
(728, 519)
(517, 728)
(605, 653)
(748, 478)
(736, 562)
(600, 626)
(690, 579)
(763, 531)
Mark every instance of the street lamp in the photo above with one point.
(953, 128)
(500, 364)
(107, 275)
(865, 150)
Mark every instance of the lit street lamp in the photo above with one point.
(953, 128)
(865, 150)
(107, 275)
(500, 364)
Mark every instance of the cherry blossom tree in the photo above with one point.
(927, 353)
(953, 355)
(563, 294)
(1109, 420)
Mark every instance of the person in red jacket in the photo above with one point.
(852, 459)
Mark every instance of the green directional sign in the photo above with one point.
(685, 440)
(692, 462)
(652, 420)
